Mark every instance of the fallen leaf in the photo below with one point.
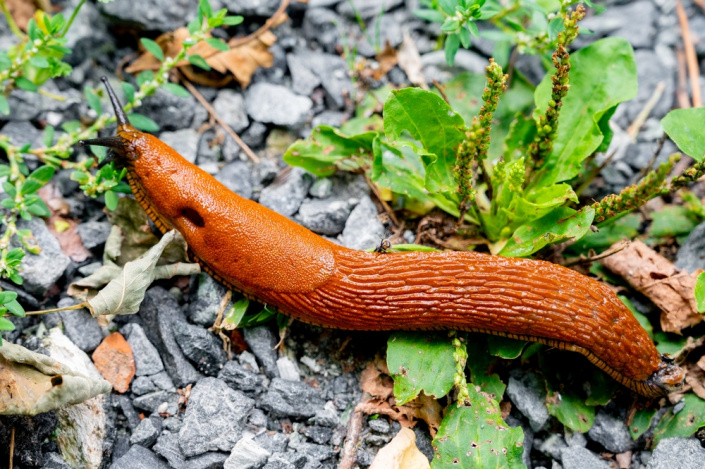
(410, 61)
(401, 453)
(63, 228)
(32, 383)
(114, 359)
(386, 60)
(21, 11)
(124, 294)
(241, 60)
(659, 280)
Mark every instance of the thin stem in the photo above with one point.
(73, 17)
(11, 21)
(55, 310)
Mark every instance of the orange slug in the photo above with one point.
(268, 257)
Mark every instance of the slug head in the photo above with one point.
(667, 379)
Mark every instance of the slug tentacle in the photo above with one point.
(268, 257)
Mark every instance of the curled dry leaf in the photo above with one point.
(658, 279)
(376, 382)
(240, 61)
(401, 453)
(410, 61)
(32, 383)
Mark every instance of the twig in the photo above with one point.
(265, 27)
(633, 129)
(350, 446)
(12, 445)
(67, 308)
(192, 89)
(690, 56)
(682, 90)
(441, 90)
(385, 205)
(700, 3)
(614, 249)
(657, 152)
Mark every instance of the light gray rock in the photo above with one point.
(146, 432)
(236, 177)
(156, 15)
(275, 104)
(293, 399)
(362, 229)
(147, 360)
(264, 8)
(139, 457)
(158, 401)
(247, 454)
(286, 195)
(367, 9)
(204, 308)
(214, 418)
(683, 453)
(320, 26)
(168, 447)
(529, 396)
(230, 106)
(41, 271)
(691, 255)
(326, 217)
(611, 432)
(634, 22)
(575, 457)
(240, 378)
(184, 141)
(80, 326)
(288, 369)
(93, 233)
(332, 73)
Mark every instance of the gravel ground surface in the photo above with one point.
(291, 408)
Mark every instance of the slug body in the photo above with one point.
(266, 256)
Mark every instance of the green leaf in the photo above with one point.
(560, 225)
(37, 179)
(451, 47)
(26, 85)
(327, 150)
(700, 292)
(672, 221)
(15, 308)
(626, 227)
(153, 48)
(111, 200)
(48, 135)
(176, 90)
(683, 424)
(235, 314)
(4, 170)
(199, 62)
(476, 437)
(432, 16)
(233, 20)
(504, 347)
(685, 127)
(428, 120)
(218, 44)
(39, 208)
(129, 91)
(4, 105)
(602, 75)
(641, 422)
(93, 100)
(670, 344)
(570, 409)
(480, 362)
(413, 247)
(39, 62)
(6, 325)
(419, 361)
(7, 296)
(143, 123)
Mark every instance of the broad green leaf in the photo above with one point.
(476, 437)
(600, 387)
(218, 44)
(153, 48)
(428, 120)
(479, 362)
(700, 292)
(672, 221)
(669, 343)
(93, 100)
(7, 296)
(360, 125)
(176, 90)
(259, 318)
(413, 247)
(199, 62)
(398, 169)
(420, 361)
(685, 127)
(626, 227)
(327, 150)
(570, 409)
(602, 75)
(6, 325)
(641, 422)
(111, 200)
(504, 347)
(37, 179)
(235, 314)
(26, 85)
(129, 91)
(683, 424)
(562, 224)
(4, 106)
(143, 123)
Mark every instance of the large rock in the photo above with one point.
(275, 104)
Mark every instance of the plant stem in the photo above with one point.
(73, 17)
(11, 21)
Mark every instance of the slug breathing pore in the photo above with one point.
(268, 257)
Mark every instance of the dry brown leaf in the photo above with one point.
(695, 378)
(386, 60)
(410, 61)
(401, 453)
(658, 279)
(241, 61)
(375, 380)
(21, 11)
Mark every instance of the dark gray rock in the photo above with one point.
(263, 344)
(691, 255)
(240, 378)
(146, 432)
(236, 177)
(214, 418)
(184, 141)
(683, 453)
(367, 9)
(21, 133)
(379, 425)
(201, 347)
(128, 410)
(139, 457)
(275, 104)
(255, 134)
(159, 312)
(142, 385)
(230, 106)
(27, 105)
(264, 8)
(247, 454)
(314, 453)
(147, 360)
(87, 38)
(272, 442)
(285, 196)
(389, 28)
(327, 416)
(303, 80)
(634, 22)
(168, 447)
(529, 396)
(172, 424)
(162, 381)
(332, 72)
(575, 457)
(41, 271)
(277, 462)
(158, 401)
(362, 229)
(611, 432)
(318, 434)
(93, 234)
(326, 217)
(321, 26)
(55, 461)
(204, 309)
(293, 399)
(209, 151)
(80, 326)
(170, 111)
(156, 15)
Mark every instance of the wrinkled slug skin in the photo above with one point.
(269, 257)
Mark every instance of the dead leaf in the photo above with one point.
(386, 60)
(21, 11)
(241, 61)
(32, 383)
(69, 240)
(114, 359)
(401, 453)
(658, 279)
(410, 61)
